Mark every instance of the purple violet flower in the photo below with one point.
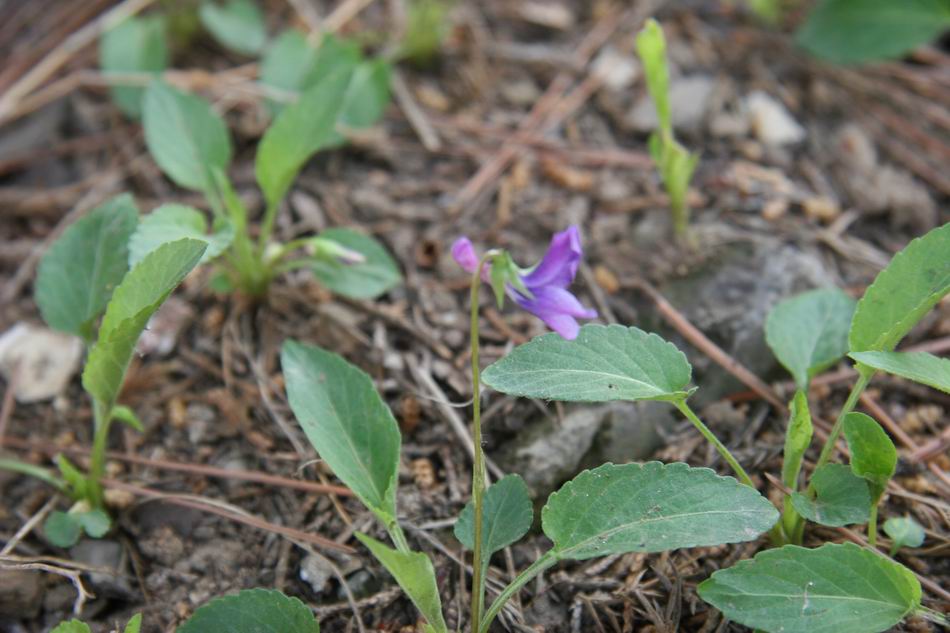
(547, 282)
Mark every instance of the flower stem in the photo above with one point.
(538, 566)
(102, 421)
(478, 467)
(711, 437)
(864, 377)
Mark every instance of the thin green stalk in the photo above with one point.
(538, 566)
(398, 536)
(16, 466)
(478, 467)
(711, 437)
(864, 377)
(872, 527)
(102, 421)
(267, 226)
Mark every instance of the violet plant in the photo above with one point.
(85, 286)
(611, 509)
(319, 92)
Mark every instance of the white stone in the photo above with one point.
(771, 122)
(42, 360)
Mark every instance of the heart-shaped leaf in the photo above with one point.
(507, 514)
(603, 363)
(370, 278)
(139, 295)
(904, 532)
(809, 332)
(171, 222)
(78, 273)
(651, 507)
(415, 574)
(841, 497)
(836, 587)
(185, 136)
(873, 455)
(237, 25)
(135, 45)
(347, 423)
(913, 282)
(62, 529)
(921, 367)
(252, 611)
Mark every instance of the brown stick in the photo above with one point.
(196, 469)
(247, 519)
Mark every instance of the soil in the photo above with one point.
(515, 86)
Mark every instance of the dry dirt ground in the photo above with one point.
(531, 118)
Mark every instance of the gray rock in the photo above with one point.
(109, 557)
(316, 571)
(730, 298)
(689, 101)
(547, 452)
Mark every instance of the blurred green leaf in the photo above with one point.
(252, 611)
(135, 45)
(368, 279)
(904, 532)
(852, 32)
(237, 25)
(72, 626)
(921, 367)
(78, 273)
(62, 529)
(185, 136)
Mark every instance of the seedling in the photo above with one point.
(904, 532)
(76, 626)
(675, 163)
(321, 93)
(86, 275)
(611, 509)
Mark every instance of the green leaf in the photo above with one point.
(237, 25)
(415, 574)
(185, 136)
(292, 65)
(842, 497)
(904, 532)
(921, 367)
(171, 222)
(836, 587)
(507, 515)
(135, 45)
(913, 282)
(797, 439)
(127, 416)
(135, 624)
(73, 626)
(367, 95)
(252, 611)
(650, 508)
(873, 455)
(498, 274)
(651, 47)
(95, 523)
(78, 273)
(347, 422)
(366, 280)
(76, 481)
(139, 295)
(849, 32)
(809, 332)
(62, 529)
(300, 131)
(603, 363)
(343, 96)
